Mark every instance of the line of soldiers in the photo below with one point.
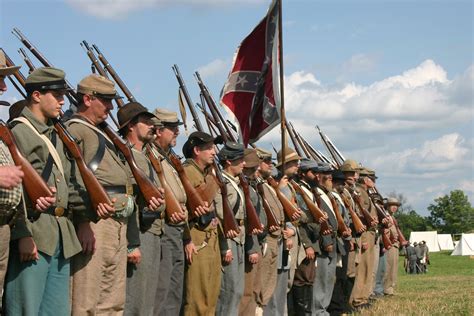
(130, 257)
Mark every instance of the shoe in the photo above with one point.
(362, 307)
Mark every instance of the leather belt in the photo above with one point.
(121, 189)
(57, 211)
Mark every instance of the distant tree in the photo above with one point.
(452, 213)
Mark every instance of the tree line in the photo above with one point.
(449, 214)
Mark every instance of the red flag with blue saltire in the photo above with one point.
(251, 94)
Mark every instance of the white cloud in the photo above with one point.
(116, 9)
(422, 97)
(215, 67)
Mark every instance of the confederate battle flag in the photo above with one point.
(251, 93)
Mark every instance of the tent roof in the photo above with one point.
(465, 246)
(445, 242)
(431, 238)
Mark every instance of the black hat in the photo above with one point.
(197, 139)
(231, 151)
(338, 175)
(129, 111)
(16, 109)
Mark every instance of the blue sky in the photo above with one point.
(389, 81)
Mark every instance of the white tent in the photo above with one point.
(431, 239)
(465, 246)
(445, 242)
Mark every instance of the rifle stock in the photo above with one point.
(387, 244)
(341, 225)
(253, 221)
(95, 190)
(148, 189)
(318, 215)
(358, 225)
(194, 198)
(229, 222)
(289, 208)
(34, 185)
(172, 204)
(271, 218)
(367, 217)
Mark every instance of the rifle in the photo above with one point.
(94, 188)
(299, 140)
(288, 207)
(342, 229)
(148, 188)
(271, 217)
(318, 215)
(369, 219)
(291, 132)
(172, 204)
(358, 225)
(254, 224)
(34, 185)
(330, 147)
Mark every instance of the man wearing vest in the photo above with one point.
(253, 243)
(44, 242)
(288, 249)
(331, 248)
(231, 157)
(269, 261)
(99, 272)
(203, 269)
(137, 127)
(10, 184)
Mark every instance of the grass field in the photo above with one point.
(447, 289)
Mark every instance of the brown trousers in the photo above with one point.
(4, 249)
(391, 271)
(364, 272)
(99, 280)
(203, 275)
(268, 271)
(252, 287)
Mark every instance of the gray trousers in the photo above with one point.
(169, 296)
(142, 279)
(277, 304)
(323, 284)
(378, 290)
(232, 283)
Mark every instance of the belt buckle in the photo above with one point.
(59, 211)
(129, 190)
(241, 222)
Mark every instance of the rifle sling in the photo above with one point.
(48, 167)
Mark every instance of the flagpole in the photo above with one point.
(282, 91)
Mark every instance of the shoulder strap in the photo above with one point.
(52, 148)
(104, 141)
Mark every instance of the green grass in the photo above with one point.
(447, 289)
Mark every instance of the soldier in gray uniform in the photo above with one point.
(144, 250)
(231, 157)
(171, 278)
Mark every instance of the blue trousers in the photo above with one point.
(37, 287)
(378, 290)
